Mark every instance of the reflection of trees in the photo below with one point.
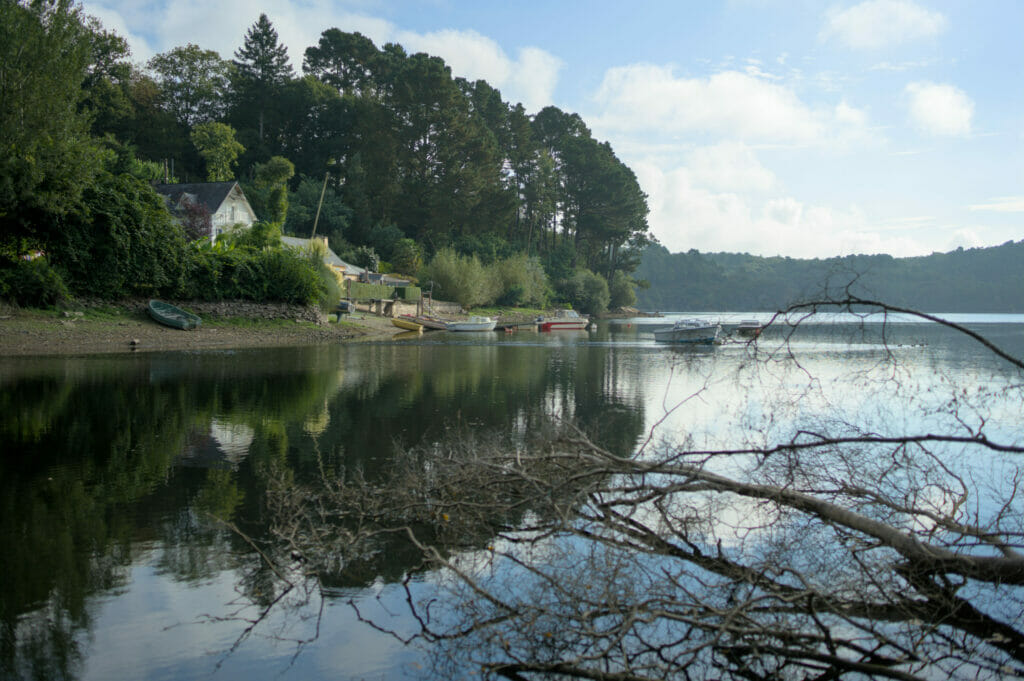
(837, 549)
(95, 464)
(89, 469)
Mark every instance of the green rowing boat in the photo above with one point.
(169, 315)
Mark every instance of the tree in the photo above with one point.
(816, 548)
(268, 193)
(48, 158)
(193, 82)
(216, 144)
(621, 291)
(261, 70)
(303, 204)
(346, 61)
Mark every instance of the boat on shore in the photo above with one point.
(474, 323)
(564, 320)
(172, 316)
(407, 324)
(697, 331)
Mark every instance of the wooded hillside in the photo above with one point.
(972, 280)
(384, 152)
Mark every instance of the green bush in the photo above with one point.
(267, 275)
(120, 242)
(588, 292)
(259, 235)
(32, 283)
(407, 256)
(622, 291)
(521, 281)
(459, 278)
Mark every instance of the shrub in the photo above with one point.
(267, 275)
(621, 291)
(407, 256)
(588, 292)
(459, 278)
(521, 280)
(260, 235)
(121, 241)
(366, 257)
(32, 283)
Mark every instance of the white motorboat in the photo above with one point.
(474, 323)
(564, 320)
(689, 331)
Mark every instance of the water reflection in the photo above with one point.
(119, 473)
(113, 465)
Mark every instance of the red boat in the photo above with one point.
(564, 320)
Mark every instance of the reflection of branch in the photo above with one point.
(835, 550)
(265, 610)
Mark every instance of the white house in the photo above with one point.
(224, 202)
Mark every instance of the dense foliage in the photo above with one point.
(384, 152)
(972, 280)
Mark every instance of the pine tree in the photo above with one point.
(261, 68)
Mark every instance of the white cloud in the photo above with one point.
(876, 24)
(687, 213)
(731, 104)
(729, 167)
(939, 109)
(1003, 204)
(530, 79)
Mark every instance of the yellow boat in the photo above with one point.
(407, 324)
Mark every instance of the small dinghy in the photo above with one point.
(172, 316)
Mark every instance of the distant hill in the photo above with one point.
(972, 280)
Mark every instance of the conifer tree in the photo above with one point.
(261, 68)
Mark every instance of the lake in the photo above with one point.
(134, 485)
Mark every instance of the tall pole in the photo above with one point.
(320, 205)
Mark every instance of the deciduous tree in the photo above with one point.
(194, 83)
(217, 145)
(48, 158)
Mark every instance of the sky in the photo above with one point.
(800, 128)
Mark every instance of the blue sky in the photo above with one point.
(771, 127)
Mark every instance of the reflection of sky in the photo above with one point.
(123, 645)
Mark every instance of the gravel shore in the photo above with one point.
(35, 332)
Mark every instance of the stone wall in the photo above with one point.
(224, 308)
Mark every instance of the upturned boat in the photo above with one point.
(407, 323)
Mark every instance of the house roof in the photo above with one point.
(331, 258)
(209, 194)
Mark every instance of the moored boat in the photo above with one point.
(749, 328)
(564, 320)
(697, 331)
(407, 324)
(474, 323)
(172, 316)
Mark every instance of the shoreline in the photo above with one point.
(31, 333)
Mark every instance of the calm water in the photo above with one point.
(115, 470)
